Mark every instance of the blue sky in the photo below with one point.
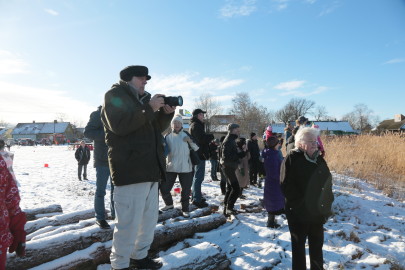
(59, 57)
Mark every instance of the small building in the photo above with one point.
(57, 132)
(326, 127)
(219, 124)
(393, 125)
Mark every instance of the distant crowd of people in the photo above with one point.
(134, 150)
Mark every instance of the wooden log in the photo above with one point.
(59, 220)
(31, 213)
(167, 234)
(54, 247)
(53, 230)
(199, 257)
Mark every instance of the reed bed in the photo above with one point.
(377, 159)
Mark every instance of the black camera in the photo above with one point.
(173, 101)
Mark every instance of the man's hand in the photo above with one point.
(169, 109)
(157, 102)
(187, 139)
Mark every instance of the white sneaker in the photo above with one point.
(167, 207)
(186, 214)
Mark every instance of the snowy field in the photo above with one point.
(366, 232)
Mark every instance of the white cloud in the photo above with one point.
(190, 87)
(310, 1)
(26, 103)
(291, 85)
(51, 12)
(395, 61)
(281, 4)
(11, 63)
(233, 9)
(329, 9)
(302, 93)
(299, 89)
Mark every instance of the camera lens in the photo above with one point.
(174, 101)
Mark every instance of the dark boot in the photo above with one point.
(145, 263)
(271, 221)
(241, 196)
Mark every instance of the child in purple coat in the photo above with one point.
(273, 197)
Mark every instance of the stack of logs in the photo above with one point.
(73, 241)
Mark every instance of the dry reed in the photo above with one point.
(378, 159)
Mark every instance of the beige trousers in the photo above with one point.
(136, 215)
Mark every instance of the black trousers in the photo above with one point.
(79, 171)
(232, 188)
(253, 170)
(186, 180)
(299, 233)
(222, 184)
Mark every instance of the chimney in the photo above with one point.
(398, 117)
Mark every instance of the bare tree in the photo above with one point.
(361, 118)
(294, 109)
(3, 123)
(320, 113)
(250, 116)
(208, 103)
(60, 117)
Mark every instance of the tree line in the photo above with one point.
(253, 117)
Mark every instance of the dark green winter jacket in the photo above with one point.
(134, 136)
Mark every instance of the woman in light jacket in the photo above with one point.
(178, 165)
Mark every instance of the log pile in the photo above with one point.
(33, 214)
(53, 248)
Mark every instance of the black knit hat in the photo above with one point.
(138, 71)
(272, 141)
(252, 134)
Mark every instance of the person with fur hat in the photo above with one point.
(272, 197)
(230, 160)
(253, 148)
(197, 130)
(178, 165)
(133, 122)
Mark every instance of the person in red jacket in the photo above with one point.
(12, 219)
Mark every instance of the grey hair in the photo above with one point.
(303, 132)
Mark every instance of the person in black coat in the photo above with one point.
(82, 156)
(253, 148)
(94, 130)
(306, 183)
(214, 159)
(197, 130)
(222, 182)
(229, 160)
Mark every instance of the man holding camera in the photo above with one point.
(134, 122)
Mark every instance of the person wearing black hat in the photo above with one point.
(253, 148)
(229, 160)
(197, 130)
(134, 122)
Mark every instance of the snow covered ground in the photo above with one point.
(366, 232)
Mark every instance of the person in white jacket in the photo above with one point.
(178, 164)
